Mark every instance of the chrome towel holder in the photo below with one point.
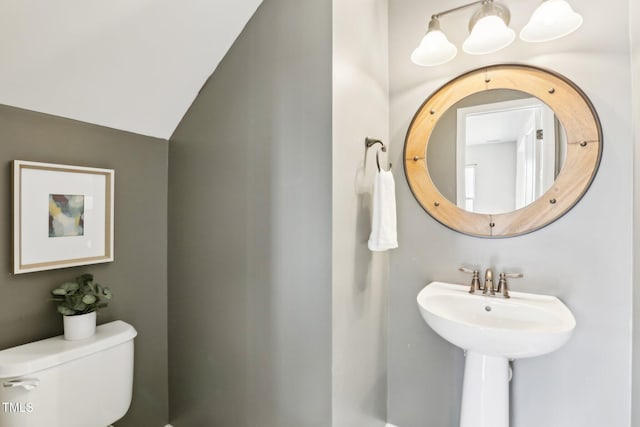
(370, 142)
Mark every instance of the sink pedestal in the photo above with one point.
(485, 391)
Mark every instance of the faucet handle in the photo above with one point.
(503, 285)
(475, 280)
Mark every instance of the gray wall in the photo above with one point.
(634, 25)
(585, 258)
(138, 277)
(250, 230)
(360, 277)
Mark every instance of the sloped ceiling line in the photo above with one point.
(133, 65)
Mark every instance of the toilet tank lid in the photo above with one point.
(33, 357)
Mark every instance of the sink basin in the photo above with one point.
(524, 325)
(493, 330)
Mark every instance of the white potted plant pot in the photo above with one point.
(80, 326)
(80, 296)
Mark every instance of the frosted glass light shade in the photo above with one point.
(551, 20)
(489, 34)
(434, 49)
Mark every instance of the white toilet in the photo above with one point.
(58, 383)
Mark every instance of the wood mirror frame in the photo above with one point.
(584, 148)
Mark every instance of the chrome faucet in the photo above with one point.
(488, 288)
(488, 283)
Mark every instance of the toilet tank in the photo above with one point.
(58, 383)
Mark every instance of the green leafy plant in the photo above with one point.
(81, 297)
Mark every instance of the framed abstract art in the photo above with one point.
(62, 216)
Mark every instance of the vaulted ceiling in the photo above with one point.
(134, 65)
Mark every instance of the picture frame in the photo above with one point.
(62, 216)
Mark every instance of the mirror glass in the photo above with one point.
(496, 151)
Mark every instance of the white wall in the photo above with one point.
(360, 109)
(634, 25)
(585, 258)
(495, 176)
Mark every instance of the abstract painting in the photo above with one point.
(66, 215)
(63, 216)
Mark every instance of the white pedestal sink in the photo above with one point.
(493, 331)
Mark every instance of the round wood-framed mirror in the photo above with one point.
(551, 186)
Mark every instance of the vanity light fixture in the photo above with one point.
(435, 48)
(551, 20)
(490, 32)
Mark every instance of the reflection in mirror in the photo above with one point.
(496, 151)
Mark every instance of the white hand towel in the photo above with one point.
(383, 223)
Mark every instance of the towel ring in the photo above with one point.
(370, 142)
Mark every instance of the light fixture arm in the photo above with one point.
(455, 9)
